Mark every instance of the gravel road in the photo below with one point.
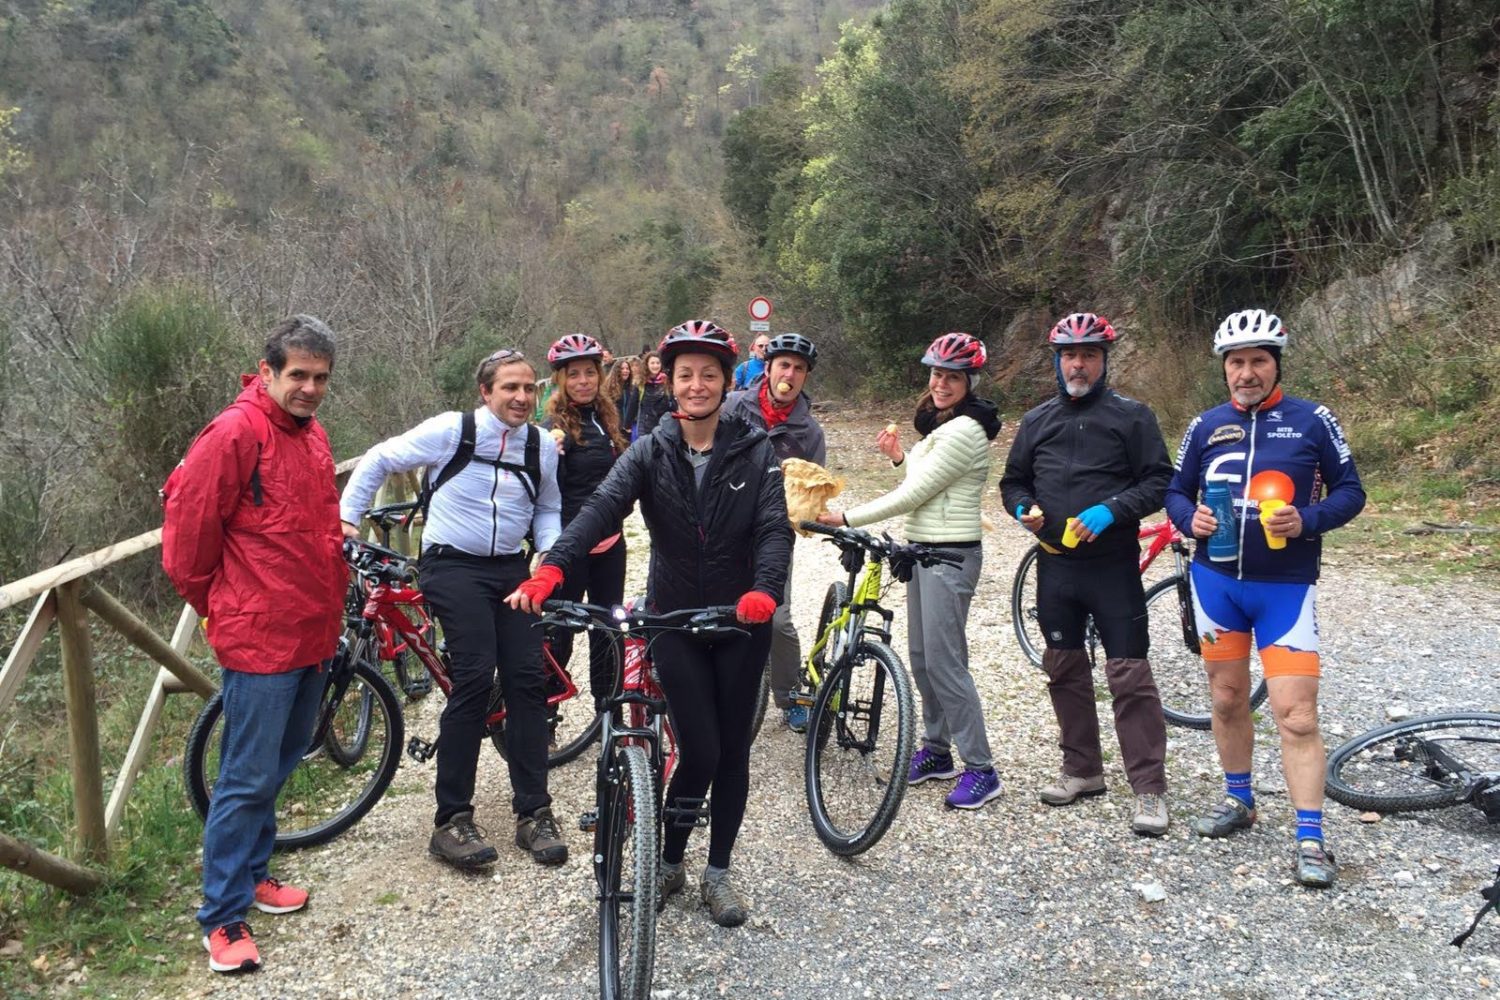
(1016, 900)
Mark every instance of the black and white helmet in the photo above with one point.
(1249, 328)
(793, 343)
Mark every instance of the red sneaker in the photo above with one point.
(273, 897)
(231, 949)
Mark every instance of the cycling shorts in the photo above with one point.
(1282, 617)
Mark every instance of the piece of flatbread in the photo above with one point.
(809, 487)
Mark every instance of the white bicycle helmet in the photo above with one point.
(1249, 328)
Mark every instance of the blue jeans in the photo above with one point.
(268, 722)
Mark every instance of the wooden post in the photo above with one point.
(102, 603)
(48, 868)
(24, 651)
(83, 722)
(135, 757)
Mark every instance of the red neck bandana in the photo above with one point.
(772, 413)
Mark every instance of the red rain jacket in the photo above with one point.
(270, 579)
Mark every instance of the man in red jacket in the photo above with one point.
(252, 541)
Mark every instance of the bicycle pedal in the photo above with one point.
(688, 813)
(420, 750)
(587, 821)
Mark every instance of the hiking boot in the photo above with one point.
(232, 949)
(1228, 816)
(1069, 789)
(1150, 819)
(796, 718)
(538, 833)
(974, 789)
(460, 843)
(927, 765)
(271, 896)
(670, 880)
(1314, 863)
(725, 904)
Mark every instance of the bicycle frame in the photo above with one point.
(385, 607)
(1160, 537)
(849, 626)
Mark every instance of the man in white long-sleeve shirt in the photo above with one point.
(485, 499)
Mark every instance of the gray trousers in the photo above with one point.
(786, 645)
(937, 611)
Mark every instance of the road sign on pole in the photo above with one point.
(760, 326)
(760, 309)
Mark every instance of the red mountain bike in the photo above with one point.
(1176, 660)
(357, 743)
(636, 756)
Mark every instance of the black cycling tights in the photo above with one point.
(711, 688)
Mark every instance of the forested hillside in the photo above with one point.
(439, 177)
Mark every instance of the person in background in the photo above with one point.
(754, 366)
(251, 541)
(624, 389)
(1290, 479)
(940, 496)
(656, 400)
(780, 406)
(1093, 461)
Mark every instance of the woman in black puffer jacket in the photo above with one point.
(711, 493)
(584, 422)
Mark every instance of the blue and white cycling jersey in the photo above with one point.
(1296, 437)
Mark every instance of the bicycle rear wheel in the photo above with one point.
(1427, 763)
(572, 723)
(1023, 608)
(1178, 666)
(626, 857)
(323, 797)
(859, 749)
(762, 699)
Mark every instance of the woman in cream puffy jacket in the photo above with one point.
(946, 471)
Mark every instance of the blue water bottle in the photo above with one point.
(1224, 543)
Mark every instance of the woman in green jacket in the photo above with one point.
(946, 471)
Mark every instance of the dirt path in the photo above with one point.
(1017, 900)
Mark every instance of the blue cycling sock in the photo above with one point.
(1310, 824)
(1237, 786)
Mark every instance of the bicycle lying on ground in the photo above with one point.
(861, 727)
(636, 757)
(1430, 762)
(1176, 657)
(360, 733)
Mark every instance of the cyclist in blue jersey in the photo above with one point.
(1290, 478)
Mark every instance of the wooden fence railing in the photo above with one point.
(63, 596)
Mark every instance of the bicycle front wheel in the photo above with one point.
(1178, 666)
(1427, 763)
(859, 749)
(626, 857)
(1023, 608)
(323, 797)
(762, 699)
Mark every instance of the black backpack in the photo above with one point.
(529, 472)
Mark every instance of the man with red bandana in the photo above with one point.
(1290, 478)
(778, 405)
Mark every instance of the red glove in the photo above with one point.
(755, 607)
(543, 582)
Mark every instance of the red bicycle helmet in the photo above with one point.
(959, 351)
(571, 347)
(702, 336)
(1082, 328)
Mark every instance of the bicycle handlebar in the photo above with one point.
(370, 559)
(571, 615)
(394, 515)
(882, 548)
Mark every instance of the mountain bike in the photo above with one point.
(1176, 653)
(1430, 762)
(360, 733)
(858, 754)
(636, 757)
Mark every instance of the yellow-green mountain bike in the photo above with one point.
(862, 723)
